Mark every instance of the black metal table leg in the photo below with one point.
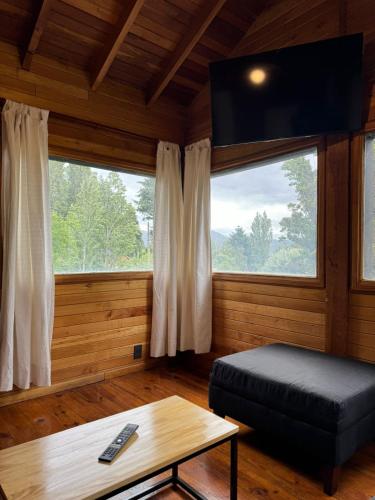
(233, 468)
(175, 474)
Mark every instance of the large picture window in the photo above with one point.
(368, 228)
(102, 219)
(264, 217)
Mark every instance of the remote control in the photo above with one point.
(109, 453)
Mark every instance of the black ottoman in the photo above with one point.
(315, 401)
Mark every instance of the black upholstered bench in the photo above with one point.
(321, 403)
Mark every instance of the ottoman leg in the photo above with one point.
(331, 479)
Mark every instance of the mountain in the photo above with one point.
(218, 239)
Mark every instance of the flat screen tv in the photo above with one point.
(297, 91)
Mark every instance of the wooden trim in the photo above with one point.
(37, 33)
(65, 279)
(19, 395)
(358, 284)
(337, 243)
(87, 157)
(285, 148)
(357, 145)
(110, 50)
(237, 156)
(294, 281)
(184, 48)
(77, 139)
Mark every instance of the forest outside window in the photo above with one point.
(368, 227)
(264, 217)
(102, 219)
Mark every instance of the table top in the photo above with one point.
(65, 465)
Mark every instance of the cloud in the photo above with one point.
(237, 197)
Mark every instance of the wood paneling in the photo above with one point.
(37, 32)
(105, 59)
(79, 140)
(337, 242)
(247, 315)
(66, 90)
(96, 328)
(119, 39)
(184, 48)
(97, 324)
(361, 337)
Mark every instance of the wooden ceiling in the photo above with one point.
(162, 47)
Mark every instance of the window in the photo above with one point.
(101, 219)
(264, 217)
(368, 228)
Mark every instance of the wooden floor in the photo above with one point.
(265, 470)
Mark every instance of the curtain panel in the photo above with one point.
(182, 300)
(196, 309)
(27, 302)
(168, 220)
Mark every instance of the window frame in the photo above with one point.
(72, 278)
(225, 163)
(357, 160)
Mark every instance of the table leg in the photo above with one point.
(233, 468)
(175, 474)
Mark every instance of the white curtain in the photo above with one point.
(27, 301)
(196, 308)
(167, 252)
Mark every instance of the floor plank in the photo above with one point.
(266, 470)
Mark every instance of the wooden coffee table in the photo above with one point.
(65, 465)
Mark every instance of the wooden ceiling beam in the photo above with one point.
(235, 52)
(195, 32)
(104, 61)
(36, 35)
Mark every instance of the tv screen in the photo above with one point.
(297, 91)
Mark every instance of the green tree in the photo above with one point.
(298, 255)
(84, 220)
(235, 253)
(300, 226)
(145, 204)
(94, 226)
(65, 250)
(65, 184)
(119, 233)
(260, 239)
(290, 260)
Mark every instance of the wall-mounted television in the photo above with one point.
(292, 92)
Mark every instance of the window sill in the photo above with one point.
(303, 282)
(363, 286)
(65, 279)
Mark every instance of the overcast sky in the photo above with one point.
(237, 197)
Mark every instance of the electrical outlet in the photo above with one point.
(137, 351)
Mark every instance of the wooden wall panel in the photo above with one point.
(247, 315)
(361, 338)
(79, 140)
(97, 324)
(337, 223)
(66, 90)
